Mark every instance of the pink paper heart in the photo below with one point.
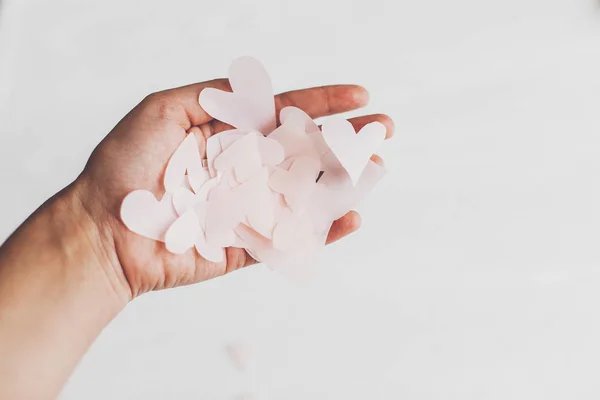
(297, 184)
(207, 187)
(353, 150)
(256, 200)
(295, 141)
(229, 179)
(333, 198)
(256, 192)
(294, 263)
(255, 244)
(319, 144)
(295, 116)
(184, 199)
(251, 105)
(184, 232)
(271, 152)
(337, 176)
(146, 216)
(209, 252)
(242, 157)
(185, 159)
(219, 142)
(223, 213)
(292, 230)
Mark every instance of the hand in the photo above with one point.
(134, 155)
(73, 265)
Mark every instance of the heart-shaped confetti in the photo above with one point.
(251, 105)
(185, 159)
(297, 184)
(352, 149)
(146, 216)
(272, 190)
(184, 232)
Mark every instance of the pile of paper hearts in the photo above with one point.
(272, 190)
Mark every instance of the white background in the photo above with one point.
(476, 274)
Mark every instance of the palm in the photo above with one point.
(134, 155)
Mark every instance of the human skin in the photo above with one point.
(72, 266)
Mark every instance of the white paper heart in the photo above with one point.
(184, 232)
(297, 184)
(242, 156)
(207, 187)
(292, 230)
(331, 199)
(146, 216)
(274, 196)
(224, 212)
(185, 159)
(251, 105)
(219, 142)
(257, 201)
(184, 199)
(351, 149)
(295, 116)
(295, 141)
(209, 252)
(271, 152)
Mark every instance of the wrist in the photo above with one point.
(58, 290)
(87, 240)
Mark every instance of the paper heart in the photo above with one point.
(207, 188)
(257, 201)
(271, 152)
(146, 216)
(353, 150)
(228, 179)
(279, 205)
(187, 232)
(331, 199)
(295, 141)
(274, 196)
(294, 263)
(292, 230)
(295, 116)
(184, 199)
(184, 232)
(337, 176)
(256, 245)
(219, 142)
(209, 252)
(251, 105)
(297, 184)
(223, 213)
(242, 156)
(185, 159)
(319, 144)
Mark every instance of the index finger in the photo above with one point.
(316, 102)
(324, 100)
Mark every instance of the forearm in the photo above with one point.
(57, 292)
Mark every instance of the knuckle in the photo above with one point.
(236, 259)
(152, 98)
(162, 106)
